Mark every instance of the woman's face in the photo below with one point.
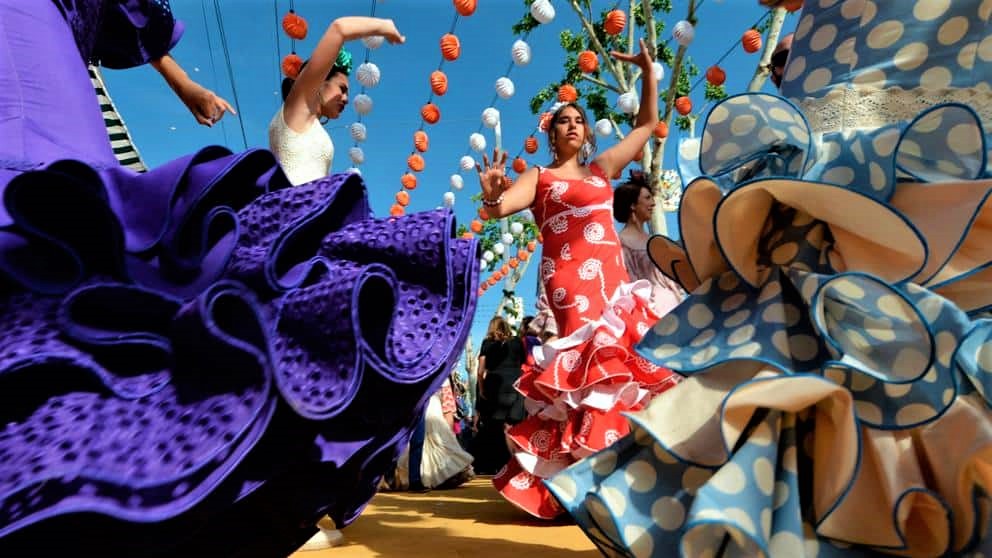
(334, 93)
(644, 206)
(570, 131)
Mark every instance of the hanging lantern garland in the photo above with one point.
(430, 113)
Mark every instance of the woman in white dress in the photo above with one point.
(320, 91)
(302, 146)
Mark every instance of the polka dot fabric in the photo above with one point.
(580, 384)
(836, 341)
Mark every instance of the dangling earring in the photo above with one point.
(586, 152)
(320, 109)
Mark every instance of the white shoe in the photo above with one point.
(325, 538)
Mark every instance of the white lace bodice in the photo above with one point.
(305, 156)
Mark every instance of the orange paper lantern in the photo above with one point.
(465, 7)
(567, 93)
(519, 165)
(408, 181)
(396, 210)
(716, 76)
(294, 26)
(513, 263)
(615, 22)
(430, 113)
(683, 105)
(751, 40)
(291, 64)
(661, 130)
(403, 198)
(439, 82)
(450, 47)
(492, 281)
(497, 275)
(415, 162)
(531, 246)
(588, 61)
(420, 141)
(505, 270)
(476, 226)
(530, 145)
(793, 5)
(523, 255)
(483, 214)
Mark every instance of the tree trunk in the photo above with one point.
(771, 41)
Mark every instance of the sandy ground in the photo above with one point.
(472, 521)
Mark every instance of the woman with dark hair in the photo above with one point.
(583, 382)
(633, 202)
(319, 92)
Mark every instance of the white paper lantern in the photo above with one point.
(373, 42)
(627, 102)
(542, 10)
(507, 238)
(358, 132)
(483, 264)
(659, 71)
(505, 88)
(457, 182)
(488, 256)
(499, 249)
(354, 170)
(520, 53)
(516, 227)
(477, 142)
(449, 199)
(604, 127)
(363, 104)
(684, 32)
(357, 155)
(466, 163)
(490, 117)
(368, 74)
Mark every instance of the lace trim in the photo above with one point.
(852, 108)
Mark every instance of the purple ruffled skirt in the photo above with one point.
(201, 359)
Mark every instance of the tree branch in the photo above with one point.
(771, 41)
(608, 60)
(600, 82)
(616, 129)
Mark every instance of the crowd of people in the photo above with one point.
(197, 360)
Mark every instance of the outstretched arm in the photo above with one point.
(206, 106)
(296, 109)
(498, 200)
(617, 157)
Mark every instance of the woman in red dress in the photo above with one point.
(583, 381)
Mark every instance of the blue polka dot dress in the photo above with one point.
(837, 244)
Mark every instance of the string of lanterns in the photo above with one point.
(368, 75)
(430, 113)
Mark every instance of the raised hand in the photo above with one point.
(492, 177)
(391, 33)
(642, 59)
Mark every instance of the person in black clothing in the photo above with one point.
(499, 403)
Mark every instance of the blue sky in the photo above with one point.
(163, 129)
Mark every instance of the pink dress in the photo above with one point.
(582, 382)
(665, 293)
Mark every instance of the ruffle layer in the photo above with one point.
(179, 342)
(837, 400)
(575, 395)
(821, 412)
